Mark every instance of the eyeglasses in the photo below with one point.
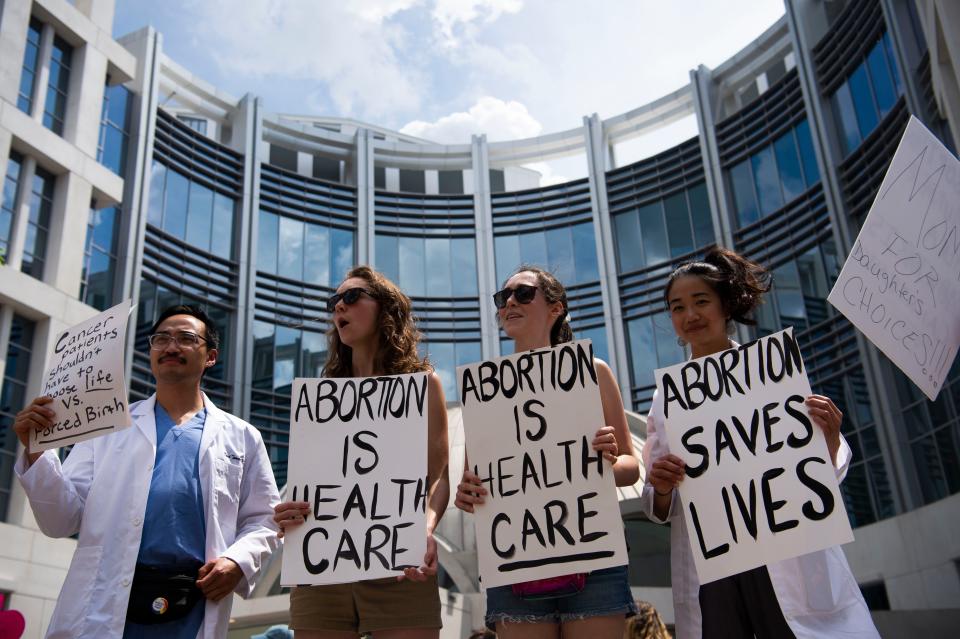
(523, 293)
(349, 296)
(159, 341)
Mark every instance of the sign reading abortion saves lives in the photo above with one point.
(551, 505)
(358, 455)
(900, 284)
(759, 487)
(85, 379)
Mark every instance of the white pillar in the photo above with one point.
(366, 199)
(21, 213)
(43, 73)
(81, 122)
(14, 20)
(486, 265)
(68, 224)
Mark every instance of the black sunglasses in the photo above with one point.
(523, 293)
(349, 296)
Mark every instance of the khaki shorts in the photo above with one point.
(366, 606)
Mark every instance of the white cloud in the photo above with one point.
(498, 119)
(452, 15)
(548, 176)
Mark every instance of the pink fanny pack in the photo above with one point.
(551, 587)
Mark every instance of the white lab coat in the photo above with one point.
(101, 491)
(818, 593)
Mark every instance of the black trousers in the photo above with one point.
(742, 605)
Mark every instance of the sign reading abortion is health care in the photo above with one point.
(759, 487)
(551, 504)
(901, 283)
(358, 456)
(86, 381)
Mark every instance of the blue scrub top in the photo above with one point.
(174, 526)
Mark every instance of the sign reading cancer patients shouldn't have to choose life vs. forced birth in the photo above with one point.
(358, 456)
(759, 485)
(551, 504)
(85, 378)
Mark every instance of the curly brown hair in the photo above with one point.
(553, 291)
(397, 348)
(647, 624)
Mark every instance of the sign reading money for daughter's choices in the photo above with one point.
(759, 486)
(901, 283)
(551, 504)
(358, 456)
(85, 379)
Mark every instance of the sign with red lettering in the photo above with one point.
(358, 455)
(551, 504)
(900, 284)
(759, 485)
(85, 378)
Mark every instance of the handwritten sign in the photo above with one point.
(901, 283)
(358, 455)
(759, 487)
(551, 505)
(86, 381)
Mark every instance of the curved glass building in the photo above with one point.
(185, 193)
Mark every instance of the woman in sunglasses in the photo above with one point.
(373, 333)
(532, 309)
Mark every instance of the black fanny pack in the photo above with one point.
(159, 595)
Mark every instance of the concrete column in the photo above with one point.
(366, 199)
(940, 20)
(68, 222)
(486, 264)
(5, 140)
(6, 319)
(100, 12)
(43, 73)
(14, 20)
(81, 122)
(21, 213)
(701, 81)
(906, 53)
(597, 151)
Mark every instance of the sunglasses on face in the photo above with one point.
(349, 296)
(523, 293)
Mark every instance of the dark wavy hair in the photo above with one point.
(739, 283)
(398, 334)
(553, 291)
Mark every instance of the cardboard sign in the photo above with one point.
(358, 455)
(901, 283)
(759, 487)
(551, 505)
(85, 378)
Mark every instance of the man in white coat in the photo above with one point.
(174, 514)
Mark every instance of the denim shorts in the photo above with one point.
(607, 592)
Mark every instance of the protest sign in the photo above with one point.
(759, 487)
(551, 504)
(86, 381)
(900, 284)
(358, 455)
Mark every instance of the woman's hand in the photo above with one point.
(828, 417)
(470, 492)
(606, 442)
(289, 514)
(666, 473)
(429, 566)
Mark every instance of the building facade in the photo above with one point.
(125, 176)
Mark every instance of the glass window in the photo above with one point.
(99, 265)
(700, 215)
(200, 217)
(788, 163)
(262, 355)
(769, 196)
(28, 75)
(59, 82)
(438, 268)
(585, 253)
(38, 224)
(158, 176)
(533, 250)
(442, 357)
(808, 158)
(341, 252)
(497, 181)
(325, 168)
(627, 231)
(847, 118)
(316, 255)
(467, 353)
(450, 182)
(789, 296)
(13, 396)
(560, 254)
(412, 266)
(221, 244)
(197, 124)
(507, 254)
(744, 198)
(892, 61)
(653, 233)
(863, 103)
(268, 233)
(880, 78)
(175, 206)
(678, 224)
(379, 177)
(388, 258)
(314, 353)
(643, 353)
(286, 354)
(114, 128)
(669, 351)
(11, 182)
(290, 249)
(283, 157)
(598, 336)
(464, 271)
(413, 181)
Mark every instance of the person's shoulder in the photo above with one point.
(239, 425)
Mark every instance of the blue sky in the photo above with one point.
(444, 69)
